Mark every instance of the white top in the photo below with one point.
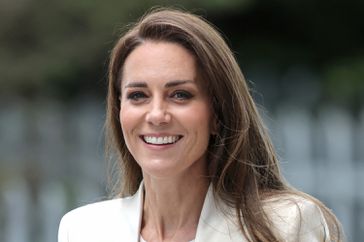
(142, 240)
(120, 220)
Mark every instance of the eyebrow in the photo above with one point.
(136, 84)
(167, 85)
(178, 82)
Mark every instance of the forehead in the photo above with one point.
(154, 54)
(164, 60)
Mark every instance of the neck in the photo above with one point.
(172, 207)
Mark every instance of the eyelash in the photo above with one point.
(179, 95)
(136, 96)
(185, 95)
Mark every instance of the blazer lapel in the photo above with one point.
(216, 226)
(132, 208)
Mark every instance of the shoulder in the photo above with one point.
(93, 211)
(97, 221)
(296, 218)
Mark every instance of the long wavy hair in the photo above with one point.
(241, 158)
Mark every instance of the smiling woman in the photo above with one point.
(155, 114)
(195, 159)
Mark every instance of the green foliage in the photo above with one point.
(61, 47)
(43, 42)
(344, 80)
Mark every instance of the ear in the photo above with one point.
(214, 126)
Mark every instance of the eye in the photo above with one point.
(181, 95)
(137, 96)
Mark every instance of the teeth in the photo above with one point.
(161, 140)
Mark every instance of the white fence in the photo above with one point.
(51, 160)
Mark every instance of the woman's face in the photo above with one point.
(165, 114)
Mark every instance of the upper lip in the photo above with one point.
(160, 134)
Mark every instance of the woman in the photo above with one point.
(195, 159)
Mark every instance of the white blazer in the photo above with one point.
(119, 220)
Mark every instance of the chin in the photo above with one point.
(159, 168)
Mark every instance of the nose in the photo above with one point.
(158, 114)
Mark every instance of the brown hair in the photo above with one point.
(241, 158)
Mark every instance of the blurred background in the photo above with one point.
(304, 61)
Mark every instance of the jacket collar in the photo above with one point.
(133, 210)
(217, 221)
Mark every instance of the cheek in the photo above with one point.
(131, 119)
(122, 118)
(127, 118)
(128, 122)
(200, 121)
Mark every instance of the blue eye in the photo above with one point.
(136, 96)
(182, 95)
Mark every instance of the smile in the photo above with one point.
(161, 140)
